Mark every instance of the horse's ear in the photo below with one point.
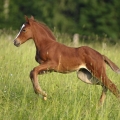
(27, 19)
(32, 17)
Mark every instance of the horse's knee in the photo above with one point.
(31, 74)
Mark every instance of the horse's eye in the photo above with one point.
(23, 30)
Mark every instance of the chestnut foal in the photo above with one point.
(54, 56)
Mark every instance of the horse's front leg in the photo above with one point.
(34, 77)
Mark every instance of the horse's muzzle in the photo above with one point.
(16, 43)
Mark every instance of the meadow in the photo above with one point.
(68, 97)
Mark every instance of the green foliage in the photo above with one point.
(68, 97)
(86, 17)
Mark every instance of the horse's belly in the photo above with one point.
(86, 76)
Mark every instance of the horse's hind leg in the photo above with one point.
(108, 84)
(103, 95)
(111, 86)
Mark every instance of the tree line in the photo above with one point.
(85, 17)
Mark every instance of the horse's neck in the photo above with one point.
(42, 37)
(42, 42)
(44, 30)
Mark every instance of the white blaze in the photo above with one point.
(20, 30)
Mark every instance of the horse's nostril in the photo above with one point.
(16, 43)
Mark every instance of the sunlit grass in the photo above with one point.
(68, 97)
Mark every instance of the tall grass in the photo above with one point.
(68, 97)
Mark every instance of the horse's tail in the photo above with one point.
(114, 67)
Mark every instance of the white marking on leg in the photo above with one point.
(82, 66)
(20, 30)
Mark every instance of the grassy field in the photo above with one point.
(68, 97)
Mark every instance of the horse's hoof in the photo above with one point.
(45, 98)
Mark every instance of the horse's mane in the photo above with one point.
(45, 28)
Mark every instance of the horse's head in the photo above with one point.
(25, 32)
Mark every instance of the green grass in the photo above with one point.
(68, 97)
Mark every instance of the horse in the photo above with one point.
(53, 56)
